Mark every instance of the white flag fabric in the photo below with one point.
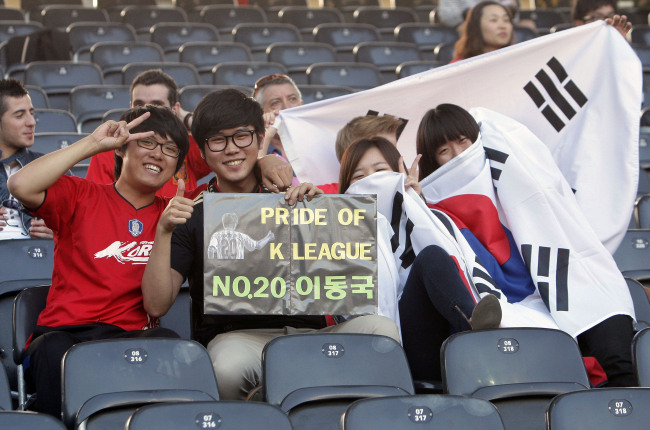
(579, 91)
(506, 191)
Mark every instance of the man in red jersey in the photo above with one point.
(103, 236)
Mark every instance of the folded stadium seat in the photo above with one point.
(386, 56)
(641, 357)
(384, 19)
(244, 74)
(640, 34)
(88, 103)
(644, 146)
(61, 16)
(83, 35)
(360, 76)
(142, 18)
(103, 382)
(643, 52)
(38, 96)
(641, 304)
(112, 56)
(226, 17)
(177, 317)
(314, 377)
(344, 37)
(223, 415)
(28, 304)
(444, 52)
(306, 18)
(15, 420)
(114, 7)
(425, 36)
(11, 14)
(602, 409)
(33, 8)
(633, 255)
(26, 263)
(298, 56)
(523, 34)
(54, 121)
(9, 29)
(315, 93)
(205, 55)
(190, 95)
(5, 394)
(422, 412)
(543, 18)
(257, 36)
(347, 7)
(183, 73)
(518, 369)
(193, 7)
(642, 211)
(409, 68)
(171, 35)
(57, 78)
(644, 182)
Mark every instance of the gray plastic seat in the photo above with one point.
(258, 36)
(641, 357)
(89, 102)
(142, 18)
(344, 37)
(633, 255)
(386, 56)
(183, 73)
(226, 17)
(409, 68)
(641, 304)
(426, 36)
(9, 29)
(14, 420)
(298, 56)
(384, 19)
(306, 18)
(244, 74)
(11, 14)
(112, 56)
(315, 93)
(83, 35)
(359, 76)
(58, 78)
(61, 16)
(205, 55)
(642, 211)
(171, 35)
(38, 96)
(54, 121)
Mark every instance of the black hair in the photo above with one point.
(438, 126)
(10, 88)
(582, 8)
(224, 109)
(157, 76)
(161, 121)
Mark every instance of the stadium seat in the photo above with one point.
(444, 52)
(244, 74)
(9, 29)
(641, 357)
(177, 317)
(114, 7)
(602, 409)
(57, 78)
(112, 56)
(183, 73)
(49, 142)
(344, 37)
(83, 35)
(5, 393)
(171, 35)
(11, 14)
(428, 411)
(425, 36)
(38, 96)
(518, 369)
(386, 56)
(641, 304)
(258, 36)
(54, 121)
(313, 377)
(360, 76)
(31, 262)
(640, 35)
(306, 18)
(205, 55)
(15, 420)
(226, 17)
(409, 68)
(61, 16)
(543, 18)
(633, 255)
(298, 56)
(523, 34)
(223, 415)
(28, 304)
(113, 114)
(142, 18)
(33, 8)
(315, 93)
(643, 52)
(644, 148)
(384, 19)
(190, 95)
(103, 382)
(642, 211)
(88, 103)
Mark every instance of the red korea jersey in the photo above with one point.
(102, 165)
(101, 247)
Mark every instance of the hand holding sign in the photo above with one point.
(178, 211)
(411, 175)
(298, 192)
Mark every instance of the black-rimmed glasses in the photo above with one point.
(241, 139)
(168, 148)
(15, 212)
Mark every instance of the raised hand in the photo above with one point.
(411, 174)
(620, 23)
(178, 211)
(301, 191)
(111, 134)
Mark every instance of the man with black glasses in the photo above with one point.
(104, 235)
(17, 125)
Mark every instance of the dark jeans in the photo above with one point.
(611, 343)
(435, 303)
(51, 343)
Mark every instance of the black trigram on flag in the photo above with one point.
(557, 101)
(497, 159)
(560, 277)
(408, 255)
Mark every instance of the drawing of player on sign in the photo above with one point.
(228, 244)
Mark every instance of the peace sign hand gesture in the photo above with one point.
(411, 180)
(112, 135)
